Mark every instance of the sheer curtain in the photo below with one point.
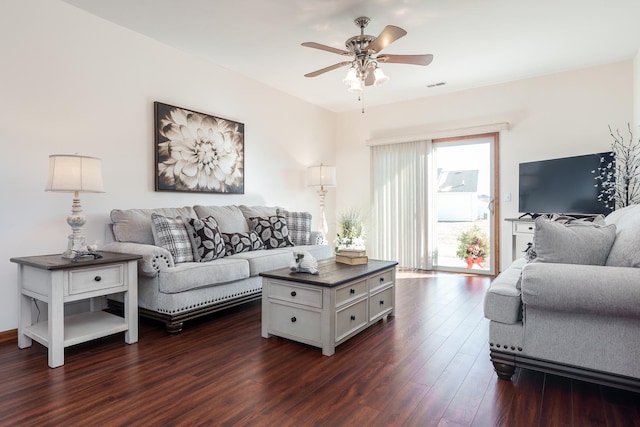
(401, 190)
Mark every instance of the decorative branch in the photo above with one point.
(619, 177)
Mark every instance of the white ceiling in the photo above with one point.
(475, 43)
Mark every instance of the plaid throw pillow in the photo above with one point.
(171, 234)
(272, 230)
(206, 239)
(299, 225)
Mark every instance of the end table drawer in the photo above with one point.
(96, 279)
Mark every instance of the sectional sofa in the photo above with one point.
(201, 259)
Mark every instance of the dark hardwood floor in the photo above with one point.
(428, 366)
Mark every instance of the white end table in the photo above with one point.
(55, 281)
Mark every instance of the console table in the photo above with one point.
(327, 309)
(521, 235)
(55, 281)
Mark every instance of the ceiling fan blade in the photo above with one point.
(326, 48)
(406, 59)
(329, 68)
(390, 34)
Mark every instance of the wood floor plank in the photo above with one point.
(428, 365)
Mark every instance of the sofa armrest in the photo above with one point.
(602, 290)
(154, 258)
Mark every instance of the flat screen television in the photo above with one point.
(566, 185)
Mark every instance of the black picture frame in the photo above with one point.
(197, 152)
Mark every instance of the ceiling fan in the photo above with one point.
(364, 51)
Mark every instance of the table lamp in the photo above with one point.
(71, 173)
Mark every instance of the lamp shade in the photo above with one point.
(322, 176)
(70, 173)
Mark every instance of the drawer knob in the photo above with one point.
(97, 278)
(353, 317)
(293, 319)
(293, 294)
(381, 279)
(381, 302)
(352, 291)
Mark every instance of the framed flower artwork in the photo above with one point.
(196, 152)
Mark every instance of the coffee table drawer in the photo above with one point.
(380, 303)
(380, 280)
(295, 294)
(350, 319)
(295, 322)
(351, 292)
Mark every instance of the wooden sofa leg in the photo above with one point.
(504, 371)
(174, 328)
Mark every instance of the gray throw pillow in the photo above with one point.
(626, 249)
(572, 243)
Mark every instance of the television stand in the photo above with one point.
(532, 215)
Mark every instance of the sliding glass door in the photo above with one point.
(465, 206)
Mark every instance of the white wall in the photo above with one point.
(551, 116)
(74, 83)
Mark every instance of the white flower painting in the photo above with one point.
(197, 152)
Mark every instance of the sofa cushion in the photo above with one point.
(625, 251)
(272, 230)
(134, 225)
(261, 261)
(235, 243)
(206, 239)
(299, 225)
(192, 275)
(254, 211)
(171, 234)
(229, 218)
(572, 243)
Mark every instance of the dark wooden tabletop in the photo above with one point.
(56, 262)
(331, 273)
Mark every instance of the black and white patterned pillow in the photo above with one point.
(272, 230)
(171, 234)
(234, 243)
(299, 225)
(206, 239)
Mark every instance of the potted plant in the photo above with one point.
(350, 232)
(473, 246)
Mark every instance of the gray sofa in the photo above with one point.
(173, 292)
(574, 308)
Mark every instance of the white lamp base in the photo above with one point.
(76, 220)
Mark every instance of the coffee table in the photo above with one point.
(326, 309)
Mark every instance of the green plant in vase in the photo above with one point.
(350, 232)
(473, 246)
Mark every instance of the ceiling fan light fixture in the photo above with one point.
(380, 77)
(351, 77)
(356, 86)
